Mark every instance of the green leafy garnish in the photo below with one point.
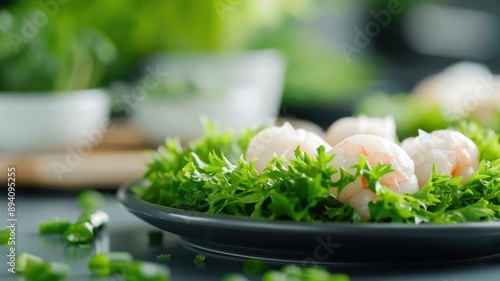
(211, 175)
(487, 141)
(164, 257)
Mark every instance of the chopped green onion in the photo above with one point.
(91, 200)
(53, 227)
(293, 272)
(105, 264)
(79, 233)
(145, 271)
(164, 257)
(290, 273)
(199, 258)
(155, 238)
(4, 236)
(276, 276)
(26, 260)
(99, 219)
(35, 269)
(57, 271)
(87, 226)
(252, 266)
(234, 277)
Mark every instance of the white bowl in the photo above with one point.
(33, 122)
(237, 90)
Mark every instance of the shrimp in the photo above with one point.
(376, 150)
(453, 154)
(349, 126)
(282, 141)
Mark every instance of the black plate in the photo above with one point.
(319, 243)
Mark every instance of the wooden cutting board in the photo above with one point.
(119, 158)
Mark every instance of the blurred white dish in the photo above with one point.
(237, 90)
(32, 122)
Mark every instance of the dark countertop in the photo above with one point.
(128, 233)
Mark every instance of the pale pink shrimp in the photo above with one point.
(282, 141)
(376, 150)
(453, 154)
(349, 126)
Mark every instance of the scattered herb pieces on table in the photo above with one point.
(164, 257)
(54, 227)
(146, 271)
(105, 264)
(199, 258)
(293, 273)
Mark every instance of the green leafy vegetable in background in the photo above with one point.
(412, 113)
(50, 57)
(87, 44)
(409, 113)
(211, 176)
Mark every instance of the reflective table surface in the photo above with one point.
(127, 233)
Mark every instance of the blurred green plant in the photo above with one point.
(45, 57)
(72, 47)
(316, 72)
(412, 113)
(86, 44)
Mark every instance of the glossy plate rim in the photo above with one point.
(127, 198)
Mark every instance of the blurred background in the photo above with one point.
(86, 86)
